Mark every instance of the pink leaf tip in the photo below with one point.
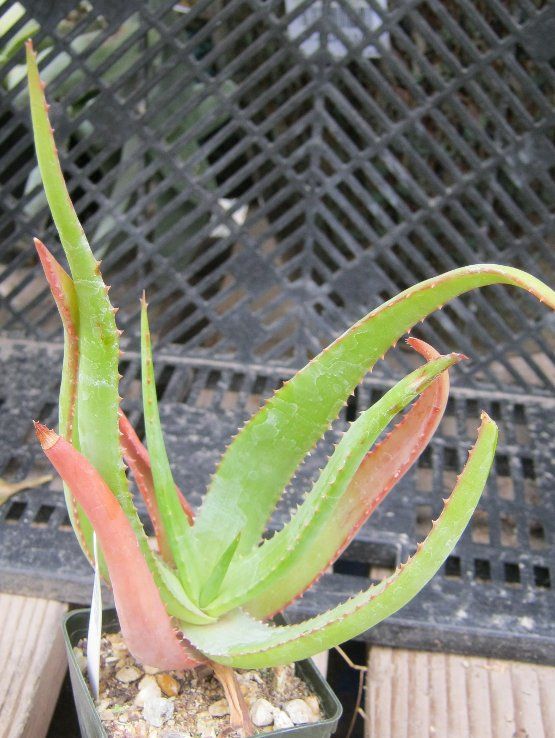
(47, 438)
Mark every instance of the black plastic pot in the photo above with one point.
(75, 627)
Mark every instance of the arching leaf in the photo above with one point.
(243, 492)
(240, 641)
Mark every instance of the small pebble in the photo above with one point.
(147, 681)
(282, 675)
(148, 690)
(128, 674)
(250, 676)
(106, 715)
(80, 658)
(150, 670)
(299, 712)
(204, 730)
(219, 708)
(168, 685)
(157, 710)
(282, 720)
(312, 702)
(262, 713)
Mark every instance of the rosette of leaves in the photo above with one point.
(209, 592)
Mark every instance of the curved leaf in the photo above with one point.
(380, 470)
(286, 557)
(98, 399)
(181, 606)
(137, 458)
(63, 292)
(240, 641)
(243, 494)
(135, 454)
(145, 625)
(97, 391)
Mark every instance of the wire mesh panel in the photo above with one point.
(270, 171)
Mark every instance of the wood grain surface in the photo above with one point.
(416, 694)
(32, 664)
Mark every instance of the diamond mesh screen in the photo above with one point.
(270, 171)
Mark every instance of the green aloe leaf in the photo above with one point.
(177, 527)
(97, 398)
(240, 641)
(264, 455)
(380, 470)
(97, 407)
(287, 550)
(180, 606)
(214, 581)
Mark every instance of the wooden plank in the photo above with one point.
(32, 664)
(412, 694)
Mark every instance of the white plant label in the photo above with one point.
(351, 24)
(95, 629)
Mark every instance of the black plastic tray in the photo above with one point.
(495, 594)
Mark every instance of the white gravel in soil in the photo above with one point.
(143, 702)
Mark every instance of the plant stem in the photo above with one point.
(238, 711)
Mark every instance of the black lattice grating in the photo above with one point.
(265, 196)
(495, 593)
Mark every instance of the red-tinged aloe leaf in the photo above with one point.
(140, 468)
(137, 458)
(145, 624)
(380, 470)
(294, 556)
(243, 494)
(63, 291)
(241, 641)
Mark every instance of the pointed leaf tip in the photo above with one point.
(47, 438)
(422, 347)
(41, 249)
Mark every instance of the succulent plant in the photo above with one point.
(209, 592)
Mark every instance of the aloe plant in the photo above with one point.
(207, 595)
